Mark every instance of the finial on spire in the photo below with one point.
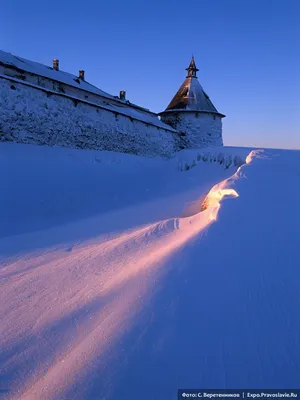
(192, 69)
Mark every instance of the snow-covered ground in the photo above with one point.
(114, 285)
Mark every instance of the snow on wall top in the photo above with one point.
(48, 72)
(117, 105)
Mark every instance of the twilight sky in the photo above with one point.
(247, 52)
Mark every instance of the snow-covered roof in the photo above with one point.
(147, 117)
(49, 72)
(117, 105)
(191, 96)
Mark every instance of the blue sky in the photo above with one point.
(247, 52)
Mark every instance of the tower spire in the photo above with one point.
(192, 69)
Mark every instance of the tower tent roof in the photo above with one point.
(191, 96)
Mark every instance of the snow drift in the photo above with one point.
(91, 306)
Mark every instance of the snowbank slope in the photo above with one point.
(144, 299)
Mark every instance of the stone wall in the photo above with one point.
(200, 129)
(37, 116)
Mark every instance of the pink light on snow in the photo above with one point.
(122, 273)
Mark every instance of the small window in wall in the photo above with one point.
(214, 117)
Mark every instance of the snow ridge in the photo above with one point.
(102, 305)
(225, 156)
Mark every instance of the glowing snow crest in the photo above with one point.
(212, 202)
(214, 197)
(253, 154)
